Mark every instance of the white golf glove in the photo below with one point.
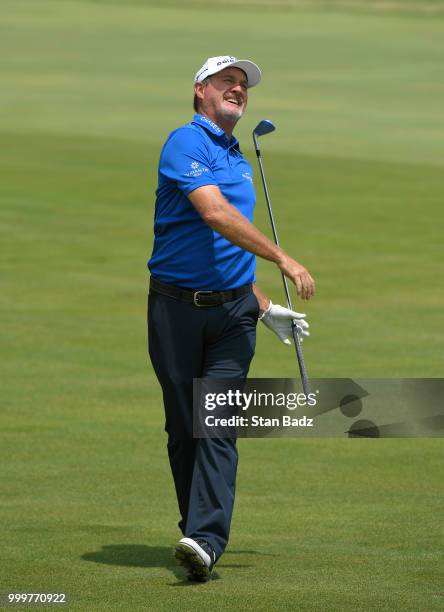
(278, 319)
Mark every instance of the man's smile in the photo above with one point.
(234, 100)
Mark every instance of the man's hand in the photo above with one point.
(299, 275)
(279, 320)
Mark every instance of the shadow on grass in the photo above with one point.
(141, 555)
(133, 555)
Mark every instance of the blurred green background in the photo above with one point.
(89, 91)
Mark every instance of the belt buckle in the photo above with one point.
(196, 297)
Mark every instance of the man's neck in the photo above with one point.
(225, 125)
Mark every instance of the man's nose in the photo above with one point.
(237, 88)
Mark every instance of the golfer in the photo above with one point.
(204, 303)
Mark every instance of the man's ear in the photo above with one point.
(199, 89)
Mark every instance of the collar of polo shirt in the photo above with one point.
(216, 130)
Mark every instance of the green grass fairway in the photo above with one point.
(89, 91)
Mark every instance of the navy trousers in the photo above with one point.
(186, 342)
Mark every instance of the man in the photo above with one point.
(203, 303)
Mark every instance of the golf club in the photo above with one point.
(265, 127)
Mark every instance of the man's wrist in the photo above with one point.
(280, 256)
(264, 309)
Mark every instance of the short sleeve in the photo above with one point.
(186, 160)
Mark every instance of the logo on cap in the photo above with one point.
(229, 60)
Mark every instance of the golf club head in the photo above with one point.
(264, 127)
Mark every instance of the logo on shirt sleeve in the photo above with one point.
(196, 170)
(247, 176)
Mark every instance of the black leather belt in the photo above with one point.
(199, 298)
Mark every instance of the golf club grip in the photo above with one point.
(301, 362)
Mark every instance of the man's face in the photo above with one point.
(225, 96)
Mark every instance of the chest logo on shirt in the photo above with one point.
(248, 176)
(196, 169)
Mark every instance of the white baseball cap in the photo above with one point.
(216, 64)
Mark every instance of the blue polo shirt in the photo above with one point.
(187, 252)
